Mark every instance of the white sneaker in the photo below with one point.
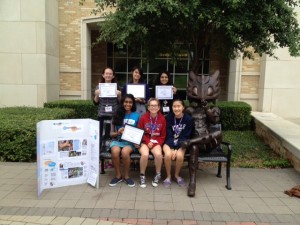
(156, 180)
(143, 181)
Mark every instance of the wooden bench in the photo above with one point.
(221, 154)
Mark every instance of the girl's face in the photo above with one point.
(108, 75)
(178, 108)
(128, 103)
(153, 107)
(136, 76)
(164, 78)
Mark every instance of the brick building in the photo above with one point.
(46, 54)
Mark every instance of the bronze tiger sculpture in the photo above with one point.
(202, 89)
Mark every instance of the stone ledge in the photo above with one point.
(281, 135)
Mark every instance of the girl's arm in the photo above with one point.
(187, 132)
(113, 131)
(96, 97)
(170, 132)
(141, 125)
(147, 93)
(162, 137)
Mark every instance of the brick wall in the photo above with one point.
(276, 144)
(70, 15)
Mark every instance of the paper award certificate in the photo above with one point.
(164, 91)
(108, 90)
(132, 134)
(137, 90)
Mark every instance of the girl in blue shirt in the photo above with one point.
(125, 114)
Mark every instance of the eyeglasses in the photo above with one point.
(153, 106)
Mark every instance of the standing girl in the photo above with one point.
(137, 78)
(125, 114)
(164, 78)
(154, 124)
(179, 128)
(106, 106)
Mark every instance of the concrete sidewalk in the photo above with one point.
(256, 197)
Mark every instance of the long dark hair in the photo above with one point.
(102, 80)
(141, 80)
(157, 82)
(118, 117)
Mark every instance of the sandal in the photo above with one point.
(167, 183)
(181, 182)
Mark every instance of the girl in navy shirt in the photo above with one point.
(179, 129)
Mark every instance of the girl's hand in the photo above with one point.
(150, 145)
(174, 90)
(121, 130)
(119, 93)
(97, 92)
(140, 100)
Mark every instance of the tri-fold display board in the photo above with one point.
(67, 153)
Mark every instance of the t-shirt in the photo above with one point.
(155, 128)
(107, 106)
(178, 130)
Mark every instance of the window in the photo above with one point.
(122, 60)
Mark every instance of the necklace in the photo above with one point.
(177, 126)
(153, 125)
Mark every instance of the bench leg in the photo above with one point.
(219, 174)
(102, 167)
(193, 166)
(228, 185)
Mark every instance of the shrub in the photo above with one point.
(18, 130)
(84, 109)
(235, 115)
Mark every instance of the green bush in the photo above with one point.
(235, 115)
(18, 130)
(84, 109)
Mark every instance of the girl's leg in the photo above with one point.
(126, 151)
(144, 151)
(167, 160)
(179, 161)
(115, 156)
(157, 153)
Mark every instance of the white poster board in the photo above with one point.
(67, 153)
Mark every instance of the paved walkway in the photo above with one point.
(256, 197)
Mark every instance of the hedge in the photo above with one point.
(235, 115)
(84, 109)
(18, 130)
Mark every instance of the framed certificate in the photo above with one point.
(164, 91)
(108, 90)
(138, 90)
(132, 134)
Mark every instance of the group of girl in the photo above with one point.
(164, 130)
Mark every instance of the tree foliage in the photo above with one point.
(231, 26)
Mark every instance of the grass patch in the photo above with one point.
(249, 151)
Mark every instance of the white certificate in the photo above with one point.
(164, 91)
(137, 90)
(108, 90)
(132, 134)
